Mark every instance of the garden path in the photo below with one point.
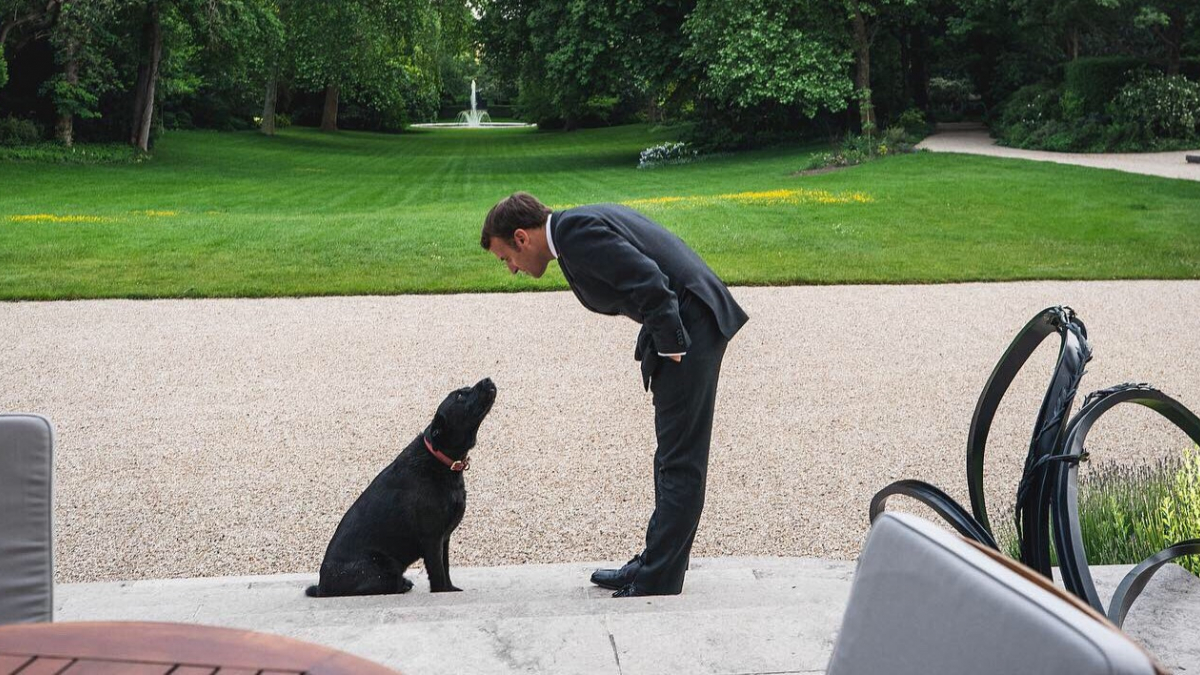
(973, 139)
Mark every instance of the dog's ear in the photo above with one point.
(435, 429)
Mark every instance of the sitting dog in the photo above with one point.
(410, 509)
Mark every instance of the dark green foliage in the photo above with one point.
(1190, 68)
(16, 132)
(950, 98)
(56, 153)
(1095, 81)
(914, 124)
(1153, 112)
(1031, 106)
(856, 149)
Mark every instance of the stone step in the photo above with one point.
(737, 616)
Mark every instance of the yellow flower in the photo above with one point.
(51, 218)
(768, 197)
(763, 198)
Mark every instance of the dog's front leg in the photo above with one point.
(435, 552)
(446, 558)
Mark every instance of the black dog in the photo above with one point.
(410, 509)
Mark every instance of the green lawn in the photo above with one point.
(314, 214)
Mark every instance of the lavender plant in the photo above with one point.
(1130, 512)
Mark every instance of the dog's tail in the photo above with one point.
(313, 591)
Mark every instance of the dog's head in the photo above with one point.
(458, 418)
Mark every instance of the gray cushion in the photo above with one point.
(927, 601)
(26, 534)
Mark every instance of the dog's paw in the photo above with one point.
(448, 589)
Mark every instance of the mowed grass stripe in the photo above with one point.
(308, 213)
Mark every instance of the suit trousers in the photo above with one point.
(685, 394)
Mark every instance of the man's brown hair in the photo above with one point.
(518, 211)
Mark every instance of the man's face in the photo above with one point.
(521, 255)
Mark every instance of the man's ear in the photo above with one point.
(520, 237)
(439, 421)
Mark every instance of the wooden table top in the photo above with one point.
(136, 648)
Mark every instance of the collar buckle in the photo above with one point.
(457, 465)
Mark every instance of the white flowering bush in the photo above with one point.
(1162, 106)
(1152, 112)
(666, 153)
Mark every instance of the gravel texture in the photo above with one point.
(974, 140)
(227, 437)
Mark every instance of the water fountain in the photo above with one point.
(473, 118)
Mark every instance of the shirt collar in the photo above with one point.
(550, 237)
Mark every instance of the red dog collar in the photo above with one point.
(454, 464)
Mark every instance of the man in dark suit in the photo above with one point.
(617, 261)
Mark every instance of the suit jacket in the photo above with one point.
(617, 261)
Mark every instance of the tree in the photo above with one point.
(27, 16)
(1168, 22)
(150, 47)
(227, 33)
(82, 40)
(654, 54)
(370, 48)
(770, 51)
(564, 57)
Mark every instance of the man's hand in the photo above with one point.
(675, 357)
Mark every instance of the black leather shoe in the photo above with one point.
(617, 579)
(629, 591)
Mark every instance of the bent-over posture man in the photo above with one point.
(617, 261)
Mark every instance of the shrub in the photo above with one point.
(856, 149)
(914, 124)
(1092, 82)
(949, 96)
(1180, 508)
(666, 153)
(15, 131)
(1031, 106)
(56, 153)
(1159, 106)
(1128, 513)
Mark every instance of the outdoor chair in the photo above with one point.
(925, 600)
(1048, 491)
(26, 528)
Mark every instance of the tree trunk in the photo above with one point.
(64, 129)
(143, 118)
(139, 102)
(652, 109)
(1174, 39)
(329, 115)
(920, 69)
(862, 75)
(268, 116)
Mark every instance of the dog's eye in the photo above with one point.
(460, 396)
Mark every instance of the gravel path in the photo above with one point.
(227, 437)
(974, 140)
